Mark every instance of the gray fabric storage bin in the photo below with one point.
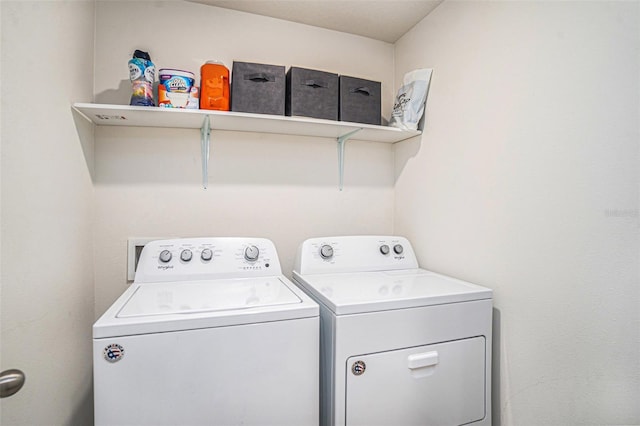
(257, 88)
(359, 100)
(312, 93)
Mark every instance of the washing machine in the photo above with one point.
(399, 345)
(209, 333)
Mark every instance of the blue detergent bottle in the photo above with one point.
(142, 73)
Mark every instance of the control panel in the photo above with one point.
(189, 259)
(359, 253)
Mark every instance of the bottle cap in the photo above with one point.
(141, 55)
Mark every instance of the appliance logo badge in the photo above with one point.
(113, 352)
(358, 368)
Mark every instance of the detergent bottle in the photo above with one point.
(214, 86)
(142, 75)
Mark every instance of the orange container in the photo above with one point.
(214, 86)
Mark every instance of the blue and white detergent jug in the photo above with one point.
(142, 73)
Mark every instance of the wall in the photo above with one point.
(47, 211)
(281, 187)
(526, 181)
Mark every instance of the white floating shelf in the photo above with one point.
(125, 115)
(206, 120)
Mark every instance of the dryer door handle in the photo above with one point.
(426, 359)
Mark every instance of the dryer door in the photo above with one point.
(440, 384)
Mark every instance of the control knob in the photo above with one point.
(251, 253)
(326, 251)
(186, 255)
(165, 256)
(384, 249)
(206, 255)
(398, 249)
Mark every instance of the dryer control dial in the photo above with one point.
(206, 255)
(251, 253)
(165, 256)
(186, 255)
(384, 249)
(326, 251)
(398, 249)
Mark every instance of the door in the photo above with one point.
(441, 384)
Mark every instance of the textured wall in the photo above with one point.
(526, 181)
(47, 211)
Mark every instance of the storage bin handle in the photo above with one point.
(315, 83)
(260, 77)
(362, 90)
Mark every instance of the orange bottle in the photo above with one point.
(214, 86)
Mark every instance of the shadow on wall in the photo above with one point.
(143, 155)
(85, 136)
(119, 96)
(83, 411)
(405, 151)
(496, 418)
(408, 149)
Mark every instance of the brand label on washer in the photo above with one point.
(358, 368)
(113, 353)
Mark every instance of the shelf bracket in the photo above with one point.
(341, 140)
(205, 132)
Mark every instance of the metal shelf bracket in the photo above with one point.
(341, 140)
(205, 133)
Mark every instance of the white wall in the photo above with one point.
(526, 181)
(281, 187)
(47, 211)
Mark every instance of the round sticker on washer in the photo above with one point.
(113, 352)
(358, 368)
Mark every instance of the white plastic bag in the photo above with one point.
(412, 96)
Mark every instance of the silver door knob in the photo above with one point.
(11, 381)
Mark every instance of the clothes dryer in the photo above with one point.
(209, 333)
(400, 345)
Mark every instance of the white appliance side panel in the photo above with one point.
(258, 374)
(441, 384)
(327, 365)
(403, 328)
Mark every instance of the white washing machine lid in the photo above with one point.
(360, 292)
(187, 305)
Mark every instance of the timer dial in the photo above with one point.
(251, 253)
(186, 255)
(326, 251)
(206, 255)
(165, 256)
